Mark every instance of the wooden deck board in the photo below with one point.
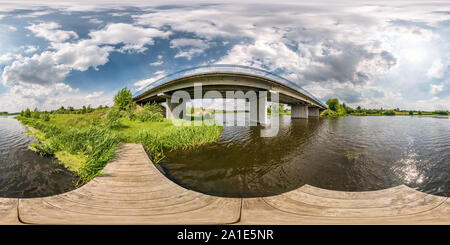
(8, 211)
(131, 191)
(399, 205)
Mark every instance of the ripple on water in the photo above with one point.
(23, 173)
(348, 154)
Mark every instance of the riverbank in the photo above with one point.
(84, 143)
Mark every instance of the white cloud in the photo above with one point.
(143, 83)
(51, 32)
(38, 69)
(436, 70)
(49, 97)
(183, 42)
(436, 88)
(29, 49)
(5, 58)
(188, 47)
(53, 66)
(95, 94)
(12, 28)
(156, 63)
(95, 21)
(133, 37)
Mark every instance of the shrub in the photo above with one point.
(411, 113)
(329, 113)
(389, 113)
(113, 118)
(123, 99)
(35, 114)
(333, 104)
(150, 112)
(45, 117)
(440, 112)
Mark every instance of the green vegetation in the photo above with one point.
(281, 109)
(150, 112)
(335, 110)
(441, 112)
(123, 99)
(389, 113)
(84, 140)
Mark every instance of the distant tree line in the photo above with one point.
(336, 109)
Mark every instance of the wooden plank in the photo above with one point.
(131, 191)
(399, 205)
(8, 211)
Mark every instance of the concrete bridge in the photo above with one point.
(225, 78)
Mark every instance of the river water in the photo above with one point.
(24, 173)
(349, 154)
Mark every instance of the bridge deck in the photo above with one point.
(133, 191)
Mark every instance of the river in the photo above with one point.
(348, 154)
(24, 173)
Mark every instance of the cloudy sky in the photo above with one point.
(373, 54)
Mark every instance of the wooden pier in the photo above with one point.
(132, 191)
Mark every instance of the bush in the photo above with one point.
(36, 114)
(411, 113)
(389, 113)
(333, 104)
(329, 113)
(150, 112)
(123, 99)
(45, 117)
(113, 118)
(440, 112)
(27, 113)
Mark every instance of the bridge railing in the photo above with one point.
(228, 68)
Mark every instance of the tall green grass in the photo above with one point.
(97, 144)
(184, 137)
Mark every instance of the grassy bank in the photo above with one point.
(85, 140)
(84, 144)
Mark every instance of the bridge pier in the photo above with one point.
(171, 113)
(258, 109)
(299, 111)
(313, 112)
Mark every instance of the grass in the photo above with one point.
(84, 144)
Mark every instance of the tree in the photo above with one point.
(36, 114)
(333, 104)
(411, 113)
(123, 99)
(83, 111)
(27, 113)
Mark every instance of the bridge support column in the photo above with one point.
(313, 112)
(258, 109)
(262, 108)
(299, 111)
(179, 113)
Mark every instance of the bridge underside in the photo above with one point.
(240, 86)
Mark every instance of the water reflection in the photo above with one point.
(23, 173)
(349, 154)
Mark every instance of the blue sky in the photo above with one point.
(373, 54)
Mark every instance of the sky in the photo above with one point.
(389, 54)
